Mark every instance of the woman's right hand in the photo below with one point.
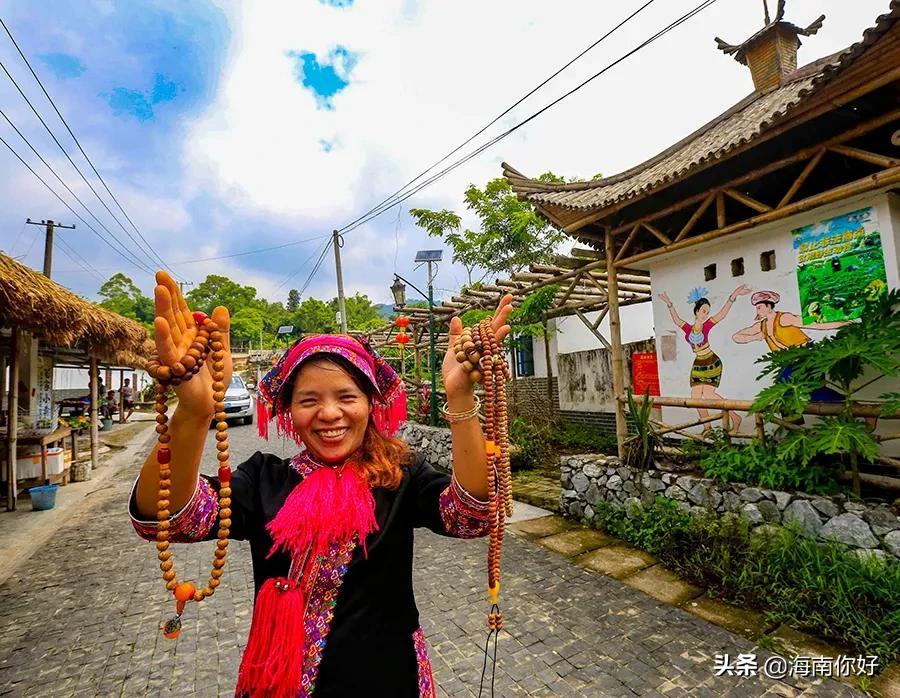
(175, 330)
(664, 297)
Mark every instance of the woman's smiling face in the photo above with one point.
(329, 410)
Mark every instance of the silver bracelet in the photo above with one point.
(455, 417)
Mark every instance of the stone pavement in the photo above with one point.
(80, 618)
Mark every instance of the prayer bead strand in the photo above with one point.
(208, 342)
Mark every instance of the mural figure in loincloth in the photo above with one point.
(706, 371)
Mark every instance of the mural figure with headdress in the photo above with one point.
(706, 371)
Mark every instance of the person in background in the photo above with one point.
(128, 399)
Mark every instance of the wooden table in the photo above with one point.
(54, 437)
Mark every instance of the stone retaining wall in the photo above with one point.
(586, 479)
(435, 441)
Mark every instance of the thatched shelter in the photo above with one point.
(34, 303)
(35, 310)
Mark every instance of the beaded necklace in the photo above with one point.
(207, 343)
(479, 353)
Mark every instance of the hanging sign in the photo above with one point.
(644, 373)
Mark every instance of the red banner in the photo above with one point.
(644, 373)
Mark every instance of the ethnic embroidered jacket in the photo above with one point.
(362, 624)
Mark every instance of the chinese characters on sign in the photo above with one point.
(777, 667)
(644, 373)
(840, 265)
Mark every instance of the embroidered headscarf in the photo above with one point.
(389, 409)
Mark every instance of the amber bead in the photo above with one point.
(164, 438)
(213, 583)
(224, 502)
(171, 584)
(222, 456)
(225, 492)
(169, 575)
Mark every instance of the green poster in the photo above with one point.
(840, 264)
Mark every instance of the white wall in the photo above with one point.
(677, 274)
(573, 335)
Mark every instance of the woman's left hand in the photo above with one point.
(457, 382)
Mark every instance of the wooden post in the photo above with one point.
(95, 427)
(12, 421)
(760, 428)
(615, 335)
(121, 397)
(549, 367)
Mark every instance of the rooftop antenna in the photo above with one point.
(766, 9)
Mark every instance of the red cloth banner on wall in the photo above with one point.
(644, 373)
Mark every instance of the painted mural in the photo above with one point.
(706, 369)
(840, 263)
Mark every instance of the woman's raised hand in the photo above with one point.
(456, 381)
(175, 330)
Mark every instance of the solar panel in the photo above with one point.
(429, 255)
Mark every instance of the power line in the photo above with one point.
(83, 263)
(303, 264)
(374, 213)
(67, 187)
(256, 251)
(505, 111)
(78, 143)
(75, 213)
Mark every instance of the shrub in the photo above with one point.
(811, 585)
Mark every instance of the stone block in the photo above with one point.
(805, 515)
(769, 511)
(617, 561)
(750, 624)
(826, 507)
(663, 585)
(543, 526)
(882, 520)
(892, 542)
(576, 541)
(751, 494)
(782, 499)
(851, 530)
(614, 482)
(580, 482)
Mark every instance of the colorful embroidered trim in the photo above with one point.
(463, 515)
(320, 610)
(191, 523)
(426, 678)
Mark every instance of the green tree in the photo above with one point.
(122, 296)
(314, 315)
(217, 290)
(293, 301)
(361, 314)
(246, 325)
(512, 235)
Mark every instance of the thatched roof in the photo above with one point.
(34, 303)
(739, 126)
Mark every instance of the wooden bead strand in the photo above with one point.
(480, 354)
(208, 344)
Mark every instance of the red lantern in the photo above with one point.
(402, 338)
(402, 322)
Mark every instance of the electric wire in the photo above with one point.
(67, 250)
(72, 162)
(256, 251)
(80, 148)
(506, 111)
(61, 181)
(142, 266)
(18, 237)
(377, 212)
(304, 263)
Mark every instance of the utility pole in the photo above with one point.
(182, 284)
(338, 241)
(48, 242)
(433, 360)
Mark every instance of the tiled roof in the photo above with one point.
(741, 124)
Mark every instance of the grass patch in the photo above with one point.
(810, 585)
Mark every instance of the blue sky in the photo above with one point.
(228, 126)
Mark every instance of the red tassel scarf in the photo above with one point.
(330, 506)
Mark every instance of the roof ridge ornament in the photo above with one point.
(771, 53)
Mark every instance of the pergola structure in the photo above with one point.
(803, 139)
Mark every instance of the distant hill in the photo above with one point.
(385, 310)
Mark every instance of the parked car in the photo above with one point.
(238, 401)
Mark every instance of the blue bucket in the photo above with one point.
(43, 497)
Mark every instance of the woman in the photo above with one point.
(362, 635)
(706, 371)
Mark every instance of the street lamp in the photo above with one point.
(398, 289)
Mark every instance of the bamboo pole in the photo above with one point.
(12, 421)
(615, 333)
(696, 423)
(799, 156)
(814, 408)
(802, 177)
(884, 481)
(547, 357)
(878, 180)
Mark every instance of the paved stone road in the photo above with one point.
(80, 618)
